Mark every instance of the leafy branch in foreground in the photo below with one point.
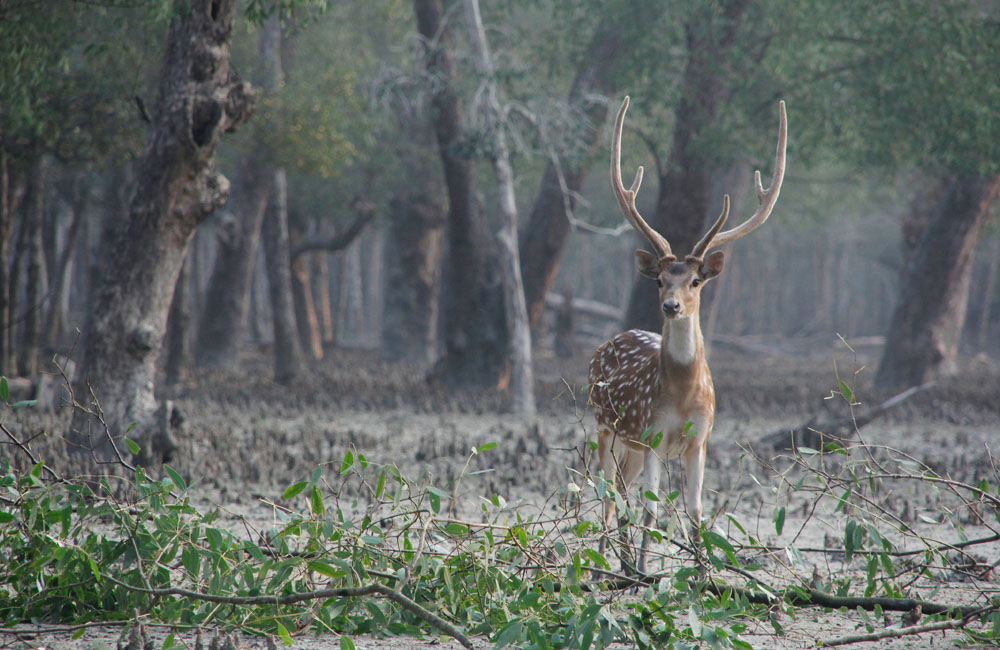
(358, 548)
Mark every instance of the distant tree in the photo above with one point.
(924, 98)
(221, 327)
(922, 341)
(548, 227)
(473, 323)
(175, 187)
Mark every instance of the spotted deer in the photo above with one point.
(652, 394)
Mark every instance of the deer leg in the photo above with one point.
(694, 469)
(651, 483)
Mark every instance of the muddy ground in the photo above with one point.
(248, 439)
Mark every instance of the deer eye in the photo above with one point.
(695, 282)
(658, 283)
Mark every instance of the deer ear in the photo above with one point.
(647, 264)
(712, 266)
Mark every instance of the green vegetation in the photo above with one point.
(398, 558)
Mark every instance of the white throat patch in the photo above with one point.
(682, 343)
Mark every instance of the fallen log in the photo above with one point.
(814, 434)
(586, 307)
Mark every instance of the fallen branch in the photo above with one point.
(320, 594)
(895, 632)
(814, 434)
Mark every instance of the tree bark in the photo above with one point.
(548, 228)
(685, 192)
(34, 215)
(413, 276)
(521, 392)
(59, 277)
(475, 336)
(221, 325)
(289, 361)
(922, 342)
(178, 337)
(175, 188)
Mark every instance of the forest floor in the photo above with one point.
(248, 439)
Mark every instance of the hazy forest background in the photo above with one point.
(329, 183)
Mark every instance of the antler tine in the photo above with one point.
(767, 197)
(626, 198)
(703, 244)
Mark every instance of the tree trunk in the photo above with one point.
(178, 336)
(413, 274)
(60, 274)
(34, 215)
(923, 337)
(323, 289)
(989, 291)
(175, 188)
(306, 319)
(522, 377)
(475, 336)
(221, 326)
(6, 230)
(685, 193)
(548, 228)
(289, 361)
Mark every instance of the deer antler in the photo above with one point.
(766, 197)
(626, 198)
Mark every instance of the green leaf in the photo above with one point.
(487, 447)
(317, 501)
(168, 641)
(779, 520)
(25, 403)
(715, 539)
(4, 389)
(348, 463)
(286, 638)
(457, 529)
(435, 495)
(346, 643)
(325, 569)
(294, 489)
(6, 517)
(133, 447)
(175, 477)
(846, 390)
(380, 487)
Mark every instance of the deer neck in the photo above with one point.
(682, 344)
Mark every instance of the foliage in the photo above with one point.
(394, 559)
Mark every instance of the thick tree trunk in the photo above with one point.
(413, 277)
(923, 337)
(175, 188)
(685, 193)
(548, 228)
(178, 337)
(289, 361)
(521, 392)
(475, 336)
(227, 298)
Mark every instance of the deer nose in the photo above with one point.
(671, 308)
